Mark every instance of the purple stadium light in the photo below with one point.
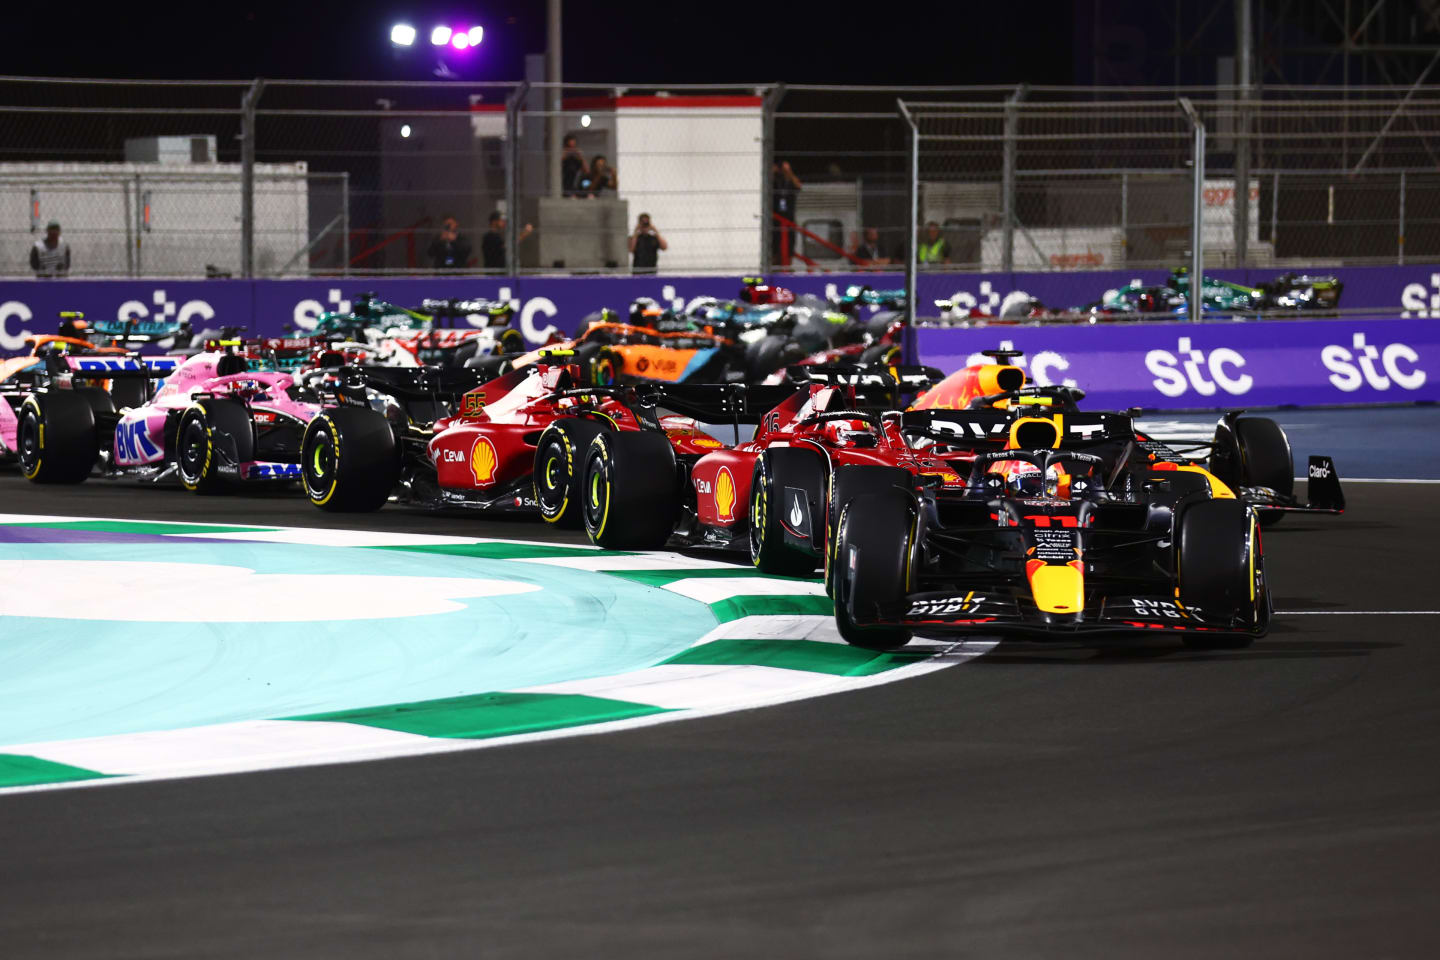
(459, 41)
(476, 34)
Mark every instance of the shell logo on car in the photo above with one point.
(482, 462)
(725, 495)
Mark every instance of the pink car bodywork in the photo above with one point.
(140, 434)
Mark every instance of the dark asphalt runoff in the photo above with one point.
(1282, 801)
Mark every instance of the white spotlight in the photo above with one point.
(402, 34)
(405, 130)
(476, 34)
(440, 36)
(585, 120)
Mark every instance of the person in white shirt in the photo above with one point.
(50, 257)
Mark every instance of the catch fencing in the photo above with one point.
(308, 178)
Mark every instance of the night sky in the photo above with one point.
(961, 42)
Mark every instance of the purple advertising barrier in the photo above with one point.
(275, 307)
(1179, 366)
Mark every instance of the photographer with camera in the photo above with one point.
(645, 245)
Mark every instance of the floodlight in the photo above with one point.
(440, 36)
(585, 120)
(402, 34)
(476, 34)
(405, 130)
(459, 41)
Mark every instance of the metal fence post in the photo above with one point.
(1197, 209)
(1274, 212)
(512, 176)
(1400, 238)
(1125, 212)
(768, 105)
(139, 227)
(1242, 135)
(247, 177)
(1007, 176)
(345, 223)
(911, 253)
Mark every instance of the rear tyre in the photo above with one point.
(631, 498)
(764, 357)
(873, 557)
(1221, 571)
(55, 437)
(1266, 460)
(348, 460)
(559, 470)
(887, 353)
(847, 483)
(213, 435)
(510, 341)
(777, 472)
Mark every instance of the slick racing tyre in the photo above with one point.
(213, 438)
(872, 561)
(785, 491)
(559, 469)
(55, 437)
(887, 353)
(1266, 460)
(630, 495)
(764, 357)
(509, 341)
(847, 483)
(348, 460)
(1221, 572)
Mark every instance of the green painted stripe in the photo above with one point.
(749, 606)
(18, 770)
(485, 715)
(659, 578)
(503, 551)
(833, 658)
(135, 526)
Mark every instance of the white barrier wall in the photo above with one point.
(694, 165)
(193, 216)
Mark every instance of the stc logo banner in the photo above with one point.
(1180, 366)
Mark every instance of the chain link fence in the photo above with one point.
(301, 178)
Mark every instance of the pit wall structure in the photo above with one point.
(1385, 349)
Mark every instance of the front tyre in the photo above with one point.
(348, 460)
(1221, 571)
(55, 437)
(872, 565)
(559, 470)
(213, 438)
(781, 479)
(631, 496)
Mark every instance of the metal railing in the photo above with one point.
(314, 178)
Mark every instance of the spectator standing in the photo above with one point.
(573, 168)
(785, 188)
(602, 176)
(934, 248)
(449, 250)
(50, 257)
(645, 245)
(870, 250)
(492, 245)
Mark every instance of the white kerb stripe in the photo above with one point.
(715, 589)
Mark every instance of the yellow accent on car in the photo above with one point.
(1058, 588)
(1218, 489)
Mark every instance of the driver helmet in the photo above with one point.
(1024, 479)
(643, 310)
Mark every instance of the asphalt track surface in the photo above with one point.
(1036, 802)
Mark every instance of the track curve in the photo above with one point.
(1038, 802)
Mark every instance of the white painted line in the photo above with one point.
(1344, 480)
(642, 561)
(715, 589)
(1357, 613)
(421, 746)
(682, 686)
(331, 538)
(217, 747)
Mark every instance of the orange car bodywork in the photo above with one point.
(649, 353)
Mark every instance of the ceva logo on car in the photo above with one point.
(1187, 368)
(1353, 367)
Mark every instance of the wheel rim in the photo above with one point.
(757, 520)
(193, 443)
(321, 464)
(597, 497)
(28, 440)
(552, 482)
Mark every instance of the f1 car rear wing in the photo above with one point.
(968, 427)
(496, 312)
(716, 402)
(112, 367)
(416, 382)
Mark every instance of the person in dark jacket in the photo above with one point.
(449, 250)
